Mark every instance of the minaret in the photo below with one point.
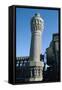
(37, 25)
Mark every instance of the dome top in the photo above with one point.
(37, 14)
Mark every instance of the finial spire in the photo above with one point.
(37, 14)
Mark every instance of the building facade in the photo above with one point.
(23, 68)
(53, 58)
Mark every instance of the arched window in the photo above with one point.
(39, 72)
(20, 65)
(33, 72)
(17, 65)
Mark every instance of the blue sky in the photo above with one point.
(23, 30)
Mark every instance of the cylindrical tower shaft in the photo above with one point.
(35, 46)
(35, 63)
